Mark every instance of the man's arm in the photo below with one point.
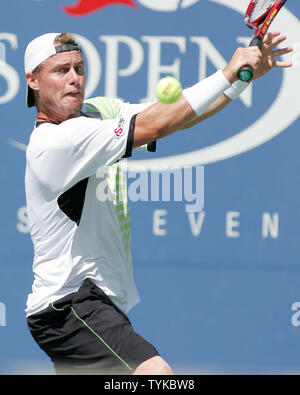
(160, 120)
(218, 105)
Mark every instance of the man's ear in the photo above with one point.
(32, 81)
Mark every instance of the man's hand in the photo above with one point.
(270, 52)
(243, 56)
(261, 61)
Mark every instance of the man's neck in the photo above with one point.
(55, 117)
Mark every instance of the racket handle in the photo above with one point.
(246, 72)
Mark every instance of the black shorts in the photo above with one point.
(85, 332)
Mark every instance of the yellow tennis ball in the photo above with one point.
(168, 90)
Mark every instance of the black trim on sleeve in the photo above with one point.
(129, 145)
(151, 147)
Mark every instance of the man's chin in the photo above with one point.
(74, 108)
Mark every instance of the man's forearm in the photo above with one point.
(161, 120)
(213, 109)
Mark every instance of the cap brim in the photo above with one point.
(30, 102)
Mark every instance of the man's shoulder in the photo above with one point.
(48, 135)
(102, 108)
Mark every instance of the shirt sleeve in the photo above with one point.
(62, 155)
(102, 107)
(131, 109)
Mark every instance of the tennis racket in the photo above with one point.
(259, 16)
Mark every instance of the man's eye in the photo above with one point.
(79, 69)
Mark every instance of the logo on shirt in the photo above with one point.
(119, 131)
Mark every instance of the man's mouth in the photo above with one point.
(73, 94)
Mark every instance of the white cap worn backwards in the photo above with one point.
(39, 50)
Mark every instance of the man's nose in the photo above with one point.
(73, 76)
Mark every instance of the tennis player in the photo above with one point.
(83, 281)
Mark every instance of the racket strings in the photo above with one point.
(259, 11)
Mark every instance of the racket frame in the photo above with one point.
(260, 26)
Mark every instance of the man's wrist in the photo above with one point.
(236, 89)
(201, 95)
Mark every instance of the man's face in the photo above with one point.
(60, 84)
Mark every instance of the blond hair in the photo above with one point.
(64, 38)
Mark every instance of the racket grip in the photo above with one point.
(246, 72)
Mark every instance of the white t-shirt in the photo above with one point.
(77, 204)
